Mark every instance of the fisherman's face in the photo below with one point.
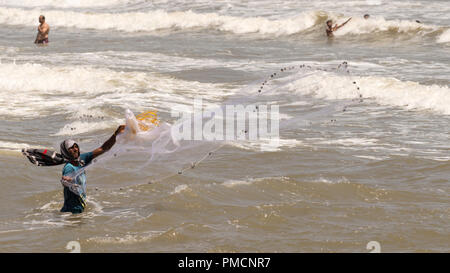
(329, 24)
(74, 151)
(41, 19)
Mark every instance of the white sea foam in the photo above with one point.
(50, 206)
(232, 183)
(129, 238)
(16, 146)
(159, 19)
(153, 20)
(444, 37)
(350, 142)
(342, 180)
(379, 24)
(180, 188)
(61, 3)
(376, 158)
(267, 145)
(385, 91)
(46, 90)
(135, 60)
(249, 181)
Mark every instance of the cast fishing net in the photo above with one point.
(171, 149)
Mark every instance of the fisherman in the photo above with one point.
(75, 183)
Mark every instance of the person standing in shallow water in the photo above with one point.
(43, 30)
(330, 29)
(74, 183)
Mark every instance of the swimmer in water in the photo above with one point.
(43, 30)
(330, 29)
(366, 16)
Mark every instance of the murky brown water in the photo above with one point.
(353, 165)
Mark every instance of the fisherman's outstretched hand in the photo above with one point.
(119, 130)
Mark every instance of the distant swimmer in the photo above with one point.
(43, 30)
(366, 16)
(330, 29)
